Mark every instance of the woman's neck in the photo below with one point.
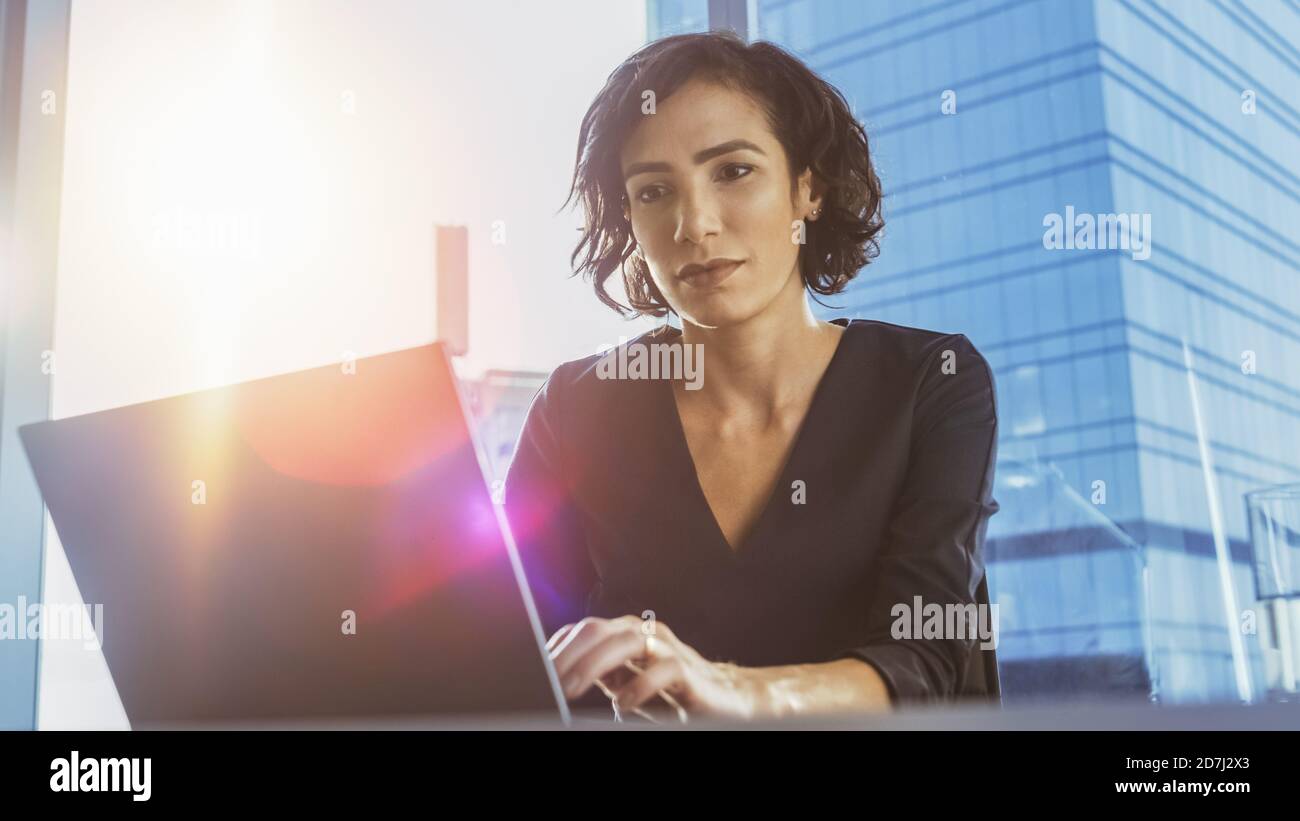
(763, 365)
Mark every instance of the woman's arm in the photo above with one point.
(934, 543)
(593, 648)
(934, 551)
(543, 520)
(841, 686)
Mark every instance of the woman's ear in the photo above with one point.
(816, 203)
(811, 193)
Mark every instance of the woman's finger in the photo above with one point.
(558, 637)
(653, 682)
(659, 708)
(606, 655)
(614, 680)
(611, 682)
(620, 676)
(574, 644)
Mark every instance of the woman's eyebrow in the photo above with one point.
(700, 157)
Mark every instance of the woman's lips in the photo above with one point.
(711, 277)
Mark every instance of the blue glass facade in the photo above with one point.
(986, 117)
(665, 17)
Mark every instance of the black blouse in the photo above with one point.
(895, 455)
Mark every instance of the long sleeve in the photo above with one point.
(543, 518)
(936, 529)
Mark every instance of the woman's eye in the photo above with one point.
(652, 193)
(733, 167)
(650, 189)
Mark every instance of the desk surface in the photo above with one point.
(1113, 715)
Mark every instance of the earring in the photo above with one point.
(816, 211)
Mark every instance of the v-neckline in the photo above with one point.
(743, 552)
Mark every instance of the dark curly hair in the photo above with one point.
(809, 117)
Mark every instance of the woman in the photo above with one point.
(742, 549)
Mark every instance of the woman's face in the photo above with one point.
(705, 179)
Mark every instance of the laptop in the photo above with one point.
(317, 546)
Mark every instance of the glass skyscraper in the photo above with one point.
(1160, 141)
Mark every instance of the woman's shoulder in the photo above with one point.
(607, 375)
(920, 351)
(906, 340)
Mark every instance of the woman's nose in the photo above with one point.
(697, 219)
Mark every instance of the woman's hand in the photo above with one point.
(600, 650)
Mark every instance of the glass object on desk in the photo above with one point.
(1274, 515)
(1073, 591)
